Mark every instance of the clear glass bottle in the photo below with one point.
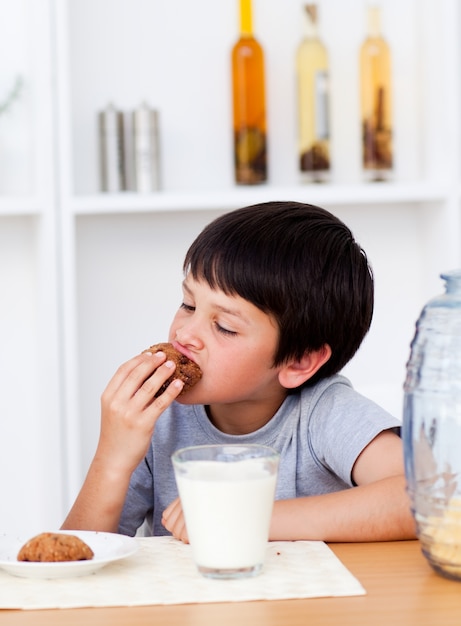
(313, 102)
(432, 428)
(249, 103)
(376, 101)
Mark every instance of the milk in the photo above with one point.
(228, 508)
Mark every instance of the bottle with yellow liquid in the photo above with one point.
(249, 104)
(313, 102)
(376, 101)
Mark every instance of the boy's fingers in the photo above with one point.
(173, 520)
(151, 385)
(131, 375)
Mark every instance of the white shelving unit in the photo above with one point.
(103, 271)
(31, 451)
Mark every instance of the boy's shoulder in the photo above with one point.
(334, 398)
(336, 384)
(322, 396)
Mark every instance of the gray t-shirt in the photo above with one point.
(318, 432)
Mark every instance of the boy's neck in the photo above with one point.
(245, 417)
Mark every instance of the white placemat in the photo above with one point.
(162, 572)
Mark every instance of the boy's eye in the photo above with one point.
(224, 331)
(190, 309)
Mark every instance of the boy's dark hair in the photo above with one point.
(298, 263)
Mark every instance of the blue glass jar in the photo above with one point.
(432, 428)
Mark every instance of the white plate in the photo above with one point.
(107, 547)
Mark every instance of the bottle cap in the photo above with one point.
(110, 119)
(145, 119)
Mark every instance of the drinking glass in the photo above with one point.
(227, 495)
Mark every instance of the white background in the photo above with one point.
(89, 279)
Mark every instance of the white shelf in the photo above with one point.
(330, 194)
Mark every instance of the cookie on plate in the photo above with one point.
(49, 547)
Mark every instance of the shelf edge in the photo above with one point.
(164, 201)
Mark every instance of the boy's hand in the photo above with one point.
(173, 520)
(129, 409)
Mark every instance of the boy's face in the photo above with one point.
(231, 340)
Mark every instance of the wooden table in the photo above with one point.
(402, 590)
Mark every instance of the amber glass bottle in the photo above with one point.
(376, 101)
(249, 104)
(313, 101)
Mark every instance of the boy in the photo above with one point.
(277, 298)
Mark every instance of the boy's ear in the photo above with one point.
(295, 373)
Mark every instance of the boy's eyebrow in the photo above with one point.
(234, 312)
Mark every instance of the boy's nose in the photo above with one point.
(187, 336)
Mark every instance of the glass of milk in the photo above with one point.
(227, 495)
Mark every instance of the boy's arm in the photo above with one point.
(378, 509)
(128, 416)
(100, 502)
